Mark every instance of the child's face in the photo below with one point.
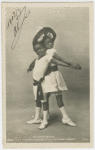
(48, 43)
(40, 51)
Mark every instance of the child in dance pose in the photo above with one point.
(40, 71)
(54, 83)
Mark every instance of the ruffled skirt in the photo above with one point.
(53, 83)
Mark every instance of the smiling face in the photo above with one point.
(40, 50)
(49, 43)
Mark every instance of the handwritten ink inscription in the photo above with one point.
(20, 16)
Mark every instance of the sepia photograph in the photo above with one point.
(47, 59)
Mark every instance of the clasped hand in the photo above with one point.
(75, 66)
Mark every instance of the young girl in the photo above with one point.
(40, 71)
(54, 82)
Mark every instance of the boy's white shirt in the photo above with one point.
(41, 66)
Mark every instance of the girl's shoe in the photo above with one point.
(69, 122)
(43, 125)
(34, 121)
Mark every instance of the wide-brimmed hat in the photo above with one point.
(43, 34)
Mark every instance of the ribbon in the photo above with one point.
(38, 83)
(39, 89)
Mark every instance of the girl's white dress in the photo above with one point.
(54, 82)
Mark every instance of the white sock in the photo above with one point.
(38, 111)
(64, 114)
(45, 115)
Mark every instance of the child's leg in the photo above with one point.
(45, 111)
(61, 106)
(49, 116)
(66, 119)
(44, 123)
(48, 96)
(38, 109)
(37, 115)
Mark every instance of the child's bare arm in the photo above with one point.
(31, 66)
(74, 65)
(54, 61)
(56, 56)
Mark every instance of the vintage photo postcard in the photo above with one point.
(47, 61)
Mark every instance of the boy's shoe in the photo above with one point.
(69, 122)
(34, 121)
(43, 125)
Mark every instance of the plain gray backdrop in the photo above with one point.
(72, 43)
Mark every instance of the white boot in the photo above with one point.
(37, 117)
(44, 123)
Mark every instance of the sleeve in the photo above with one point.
(48, 58)
(51, 52)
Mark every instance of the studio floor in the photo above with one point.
(21, 110)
